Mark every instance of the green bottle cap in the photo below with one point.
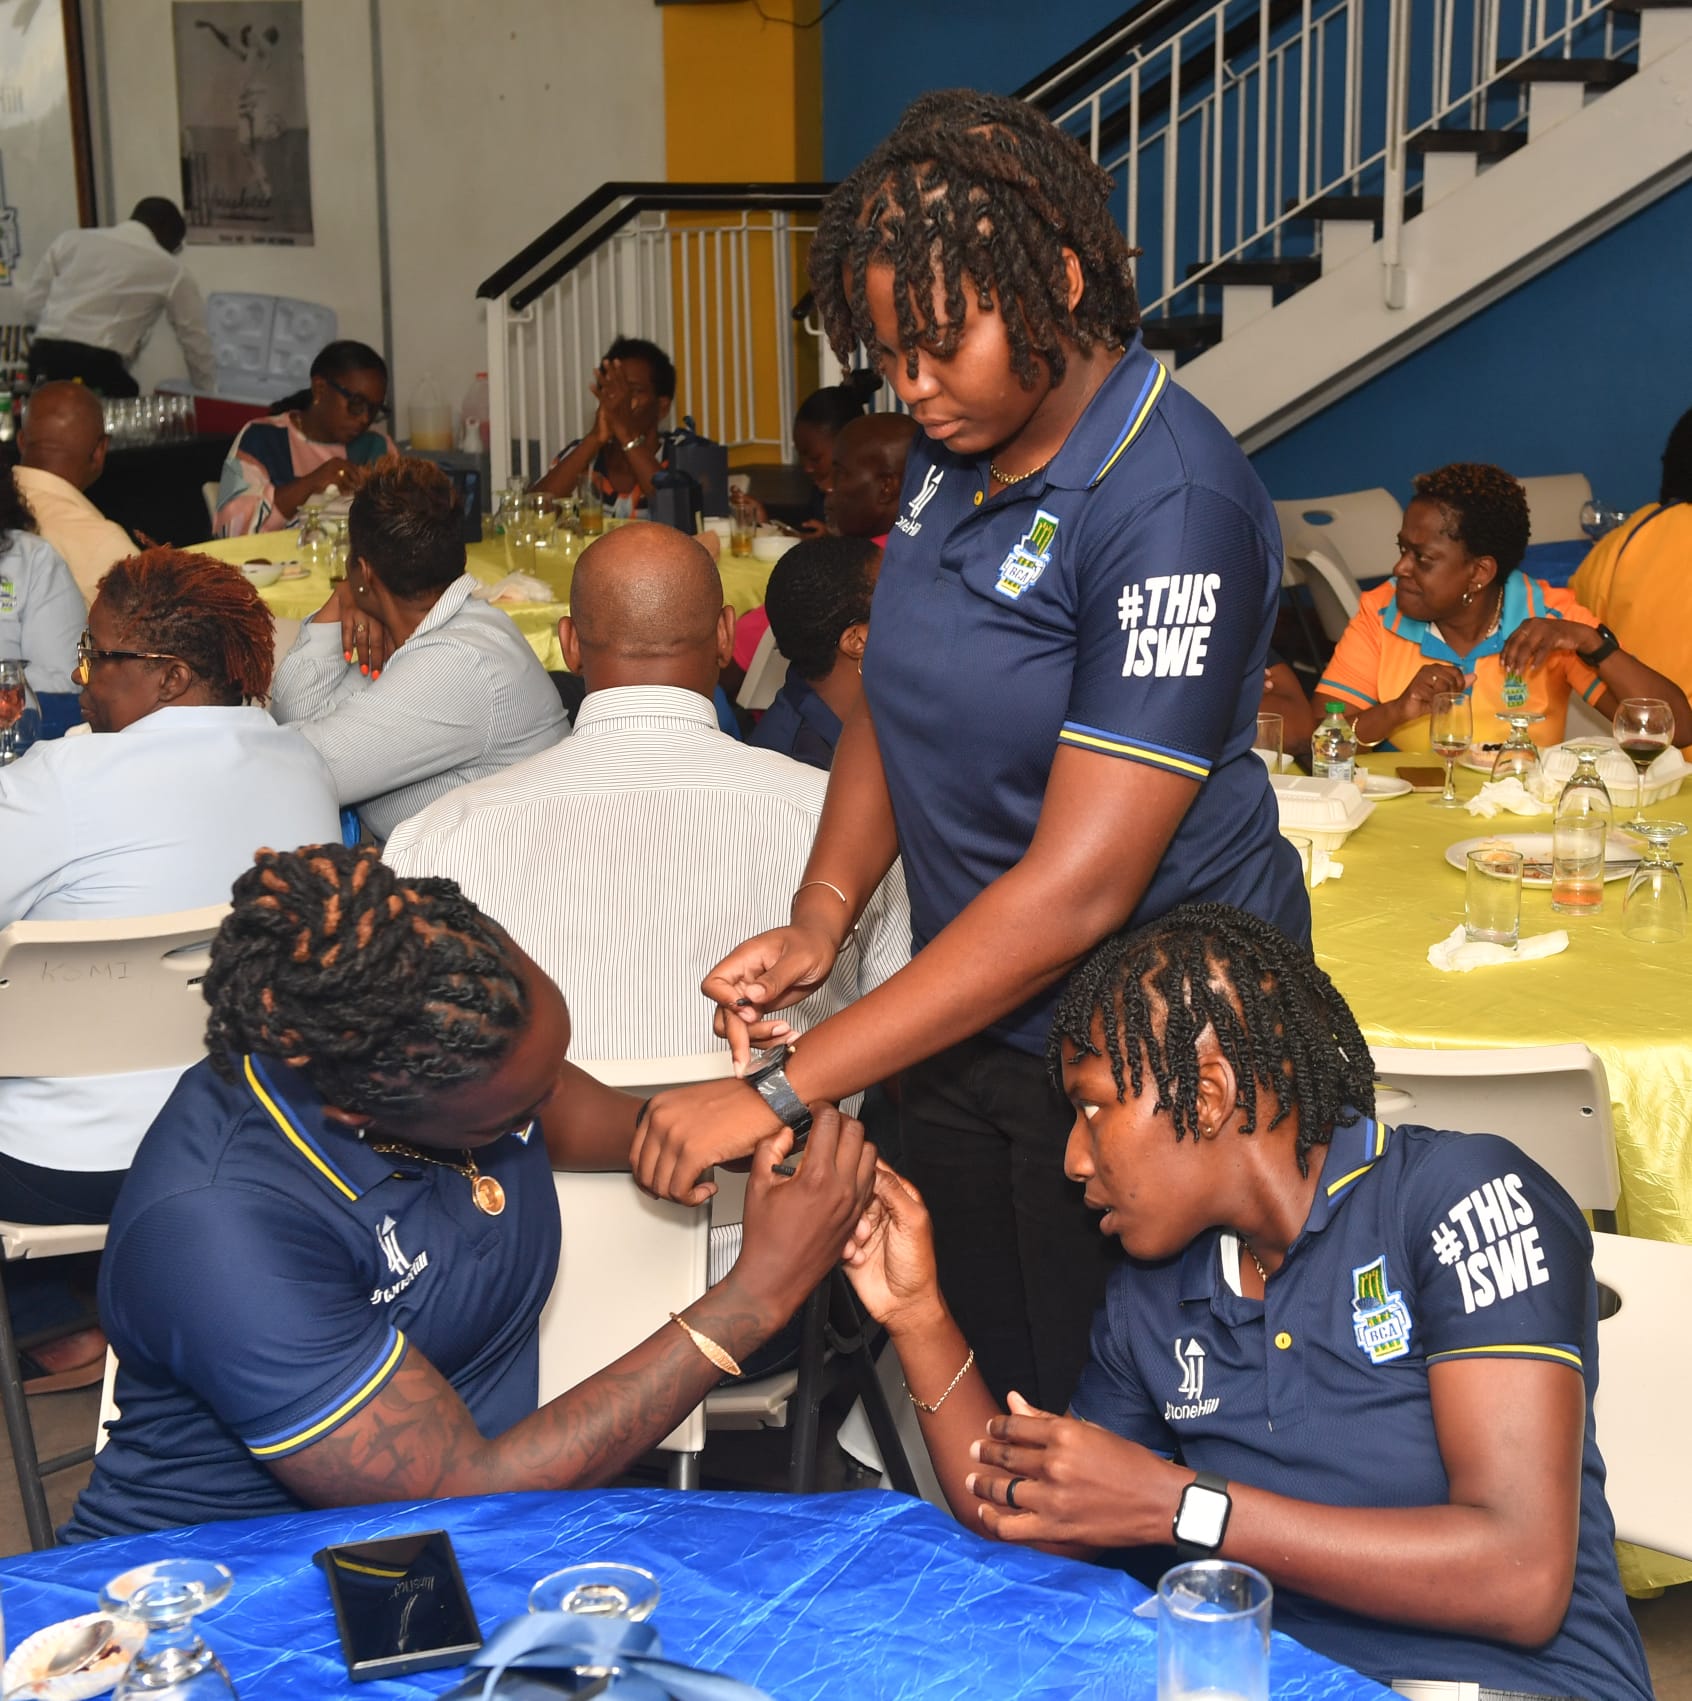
(1336, 708)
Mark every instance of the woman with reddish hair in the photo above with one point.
(189, 777)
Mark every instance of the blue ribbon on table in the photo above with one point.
(567, 1644)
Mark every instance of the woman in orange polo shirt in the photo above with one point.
(1457, 615)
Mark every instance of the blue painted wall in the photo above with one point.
(1583, 369)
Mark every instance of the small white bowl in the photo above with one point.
(772, 549)
(259, 574)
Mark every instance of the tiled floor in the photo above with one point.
(750, 1460)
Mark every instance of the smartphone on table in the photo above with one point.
(400, 1605)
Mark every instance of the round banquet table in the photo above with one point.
(872, 1595)
(744, 581)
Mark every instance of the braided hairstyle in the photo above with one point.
(1485, 510)
(199, 609)
(837, 405)
(978, 187)
(1276, 1017)
(381, 989)
(819, 588)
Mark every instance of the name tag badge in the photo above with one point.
(1032, 555)
(8, 597)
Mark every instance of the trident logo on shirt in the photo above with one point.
(908, 522)
(1191, 1360)
(388, 1240)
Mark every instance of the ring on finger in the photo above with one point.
(1010, 1492)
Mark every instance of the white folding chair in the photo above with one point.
(1551, 1100)
(1335, 596)
(765, 677)
(109, 1413)
(1644, 1387)
(1354, 532)
(1554, 504)
(103, 997)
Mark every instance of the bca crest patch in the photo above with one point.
(1379, 1317)
(1030, 558)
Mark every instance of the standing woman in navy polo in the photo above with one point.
(1061, 688)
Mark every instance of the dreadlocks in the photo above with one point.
(981, 187)
(380, 989)
(1275, 1014)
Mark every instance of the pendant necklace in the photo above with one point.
(486, 1194)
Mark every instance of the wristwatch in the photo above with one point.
(1201, 1520)
(771, 1084)
(1608, 644)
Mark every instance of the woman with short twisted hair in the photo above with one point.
(407, 685)
(325, 1276)
(159, 812)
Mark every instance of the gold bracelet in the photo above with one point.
(721, 1357)
(924, 1406)
(830, 885)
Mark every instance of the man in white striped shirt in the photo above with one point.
(407, 686)
(634, 856)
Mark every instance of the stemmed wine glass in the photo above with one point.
(1644, 728)
(1451, 727)
(1654, 910)
(1596, 518)
(1518, 757)
(173, 1664)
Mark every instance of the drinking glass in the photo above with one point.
(598, 1591)
(1580, 836)
(1451, 729)
(1492, 900)
(313, 540)
(173, 1664)
(1596, 518)
(1306, 848)
(20, 713)
(340, 551)
(743, 523)
(522, 535)
(1268, 745)
(590, 508)
(1213, 1633)
(1644, 728)
(1518, 758)
(1654, 910)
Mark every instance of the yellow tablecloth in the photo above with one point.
(1631, 1003)
(744, 581)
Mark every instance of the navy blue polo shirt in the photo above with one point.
(1420, 1247)
(266, 1272)
(1119, 602)
(799, 724)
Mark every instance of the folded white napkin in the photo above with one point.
(1508, 794)
(1458, 954)
(516, 587)
(1323, 867)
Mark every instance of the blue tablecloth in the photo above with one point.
(870, 1595)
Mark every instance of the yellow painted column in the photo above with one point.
(742, 104)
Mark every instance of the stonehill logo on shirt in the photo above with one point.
(908, 522)
(1190, 1356)
(1490, 1239)
(1379, 1317)
(1167, 618)
(1030, 558)
(406, 1269)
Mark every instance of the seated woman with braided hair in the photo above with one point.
(1359, 1358)
(326, 1270)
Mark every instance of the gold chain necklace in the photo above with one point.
(1254, 1258)
(486, 1193)
(1017, 478)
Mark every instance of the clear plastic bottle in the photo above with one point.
(1333, 748)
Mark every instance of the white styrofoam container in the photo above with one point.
(1326, 812)
(1662, 779)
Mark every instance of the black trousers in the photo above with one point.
(1022, 1263)
(101, 369)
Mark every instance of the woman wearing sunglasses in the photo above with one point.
(161, 815)
(315, 439)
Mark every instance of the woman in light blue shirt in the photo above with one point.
(41, 610)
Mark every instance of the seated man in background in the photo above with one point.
(159, 811)
(819, 608)
(629, 858)
(1636, 579)
(869, 473)
(406, 684)
(325, 1276)
(41, 610)
(61, 451)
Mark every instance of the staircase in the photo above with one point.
(1319, 187)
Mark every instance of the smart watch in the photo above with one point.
(770, 1082)
(1201, 1520)
(1608, 644)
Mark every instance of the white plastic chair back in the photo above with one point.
(1554, 505)
(1644, 1387)
(208, 495)
(765, 677)
(1335, 596)
(105, 997)
(1354, 532)
(1552, 1100)
(108, 1401)
(626, 1261)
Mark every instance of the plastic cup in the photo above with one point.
(1213, 1633)
(1268, 744)
(1492, 901)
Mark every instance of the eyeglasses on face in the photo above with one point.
(361, 407)
(86, 654)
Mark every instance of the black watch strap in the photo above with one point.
(1608, 644)
(769, 1080)
(1184, 1546)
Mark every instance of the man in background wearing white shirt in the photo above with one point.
(632, 857)
(97, 293)
(61, 451)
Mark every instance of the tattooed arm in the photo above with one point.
(416, 1438)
